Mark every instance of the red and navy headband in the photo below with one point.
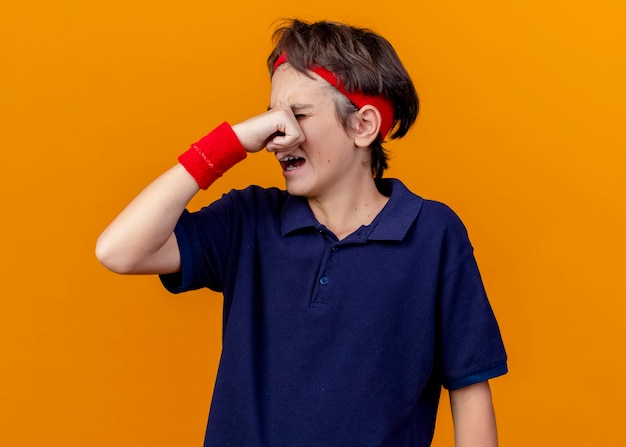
(382, 103)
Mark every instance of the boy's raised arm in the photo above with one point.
(141, 238)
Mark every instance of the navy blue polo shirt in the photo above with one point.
(337, 343)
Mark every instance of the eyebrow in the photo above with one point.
(295, 107)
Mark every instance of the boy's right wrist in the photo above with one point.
(211, 156)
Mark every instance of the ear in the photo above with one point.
(367, 126)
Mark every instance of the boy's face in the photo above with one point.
(328, 161)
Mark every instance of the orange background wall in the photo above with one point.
(521, 132)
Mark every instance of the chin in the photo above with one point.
(295, 189)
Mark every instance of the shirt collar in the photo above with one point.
(296, 215)
(392, 224)
(395, 219)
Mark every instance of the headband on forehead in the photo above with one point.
(383, 104)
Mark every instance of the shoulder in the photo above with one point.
(238, 205)
(436, 228)
(252, 200)
(257, 193)
(430, 213)
(442, 216)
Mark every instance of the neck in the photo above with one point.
(344, 213)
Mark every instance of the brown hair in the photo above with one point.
(362, 60)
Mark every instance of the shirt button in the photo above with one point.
(323, 280)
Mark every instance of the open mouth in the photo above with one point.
(290, 163)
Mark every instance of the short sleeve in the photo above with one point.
(471, 347)
(204, 239)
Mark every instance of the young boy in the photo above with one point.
(348, 300)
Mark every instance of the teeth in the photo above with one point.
(288, 158)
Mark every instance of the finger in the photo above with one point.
(276, 129)
(283, 141)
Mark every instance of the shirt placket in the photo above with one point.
(324, 283)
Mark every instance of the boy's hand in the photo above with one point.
(277, 130)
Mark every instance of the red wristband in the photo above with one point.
(213, 155)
